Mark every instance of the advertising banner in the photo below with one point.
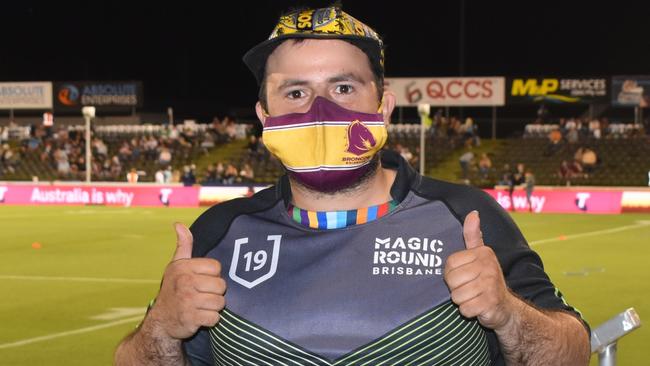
(561, 201)
(26, 95)
(448, 92)
(544, 199)
(209, 196)
(531, 90)
(99, 195)
(104, 95)
(631, 91)
(636, 201)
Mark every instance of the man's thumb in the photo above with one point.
(472, 231)
(184, 242)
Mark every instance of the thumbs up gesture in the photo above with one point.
(192, 291)
(476, 281)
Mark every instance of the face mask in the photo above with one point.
(329, 147)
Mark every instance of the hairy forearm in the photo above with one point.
(147, 346)
(538, 337)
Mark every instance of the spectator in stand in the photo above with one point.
(188, 179)
(124, 152)
(604, 125)
(594, 128)
(516, 179)
(220, 129)
(466, 161)
(231, 128)
(554, 145)
(207, 143)
(572, 133)
(253, 146)
(165, 156)
(78, 167)
(136, 146)
(529, 181)
(470, 131)
(159, 176)
(62, 163)
(230, 176)
(151, 148)
(116, 168)
(210, 178)
(220, 170)
(100, 147)
(577, 156)
(132, 176)
(485, 165)
(589, 160)
(406, 153)
(107, 169)
(8, 158)
(569, 171)
(173, 133)
(168, 175)
(176, 176)
(4, 134)
(506, 172)
(247, 175)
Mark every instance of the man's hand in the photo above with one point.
(476, 281)
(192, 291)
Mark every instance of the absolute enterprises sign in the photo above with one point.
(449, 92)
(105, 95)
(526, 90)
(26, 95)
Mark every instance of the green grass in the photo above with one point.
(601, 274)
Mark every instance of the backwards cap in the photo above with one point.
(323, 23)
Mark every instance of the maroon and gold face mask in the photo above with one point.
(328, 147)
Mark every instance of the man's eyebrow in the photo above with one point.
(346, 77)
(292, 82)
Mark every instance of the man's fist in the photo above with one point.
(192, 291)
(476, 281)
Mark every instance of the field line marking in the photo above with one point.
(77, 279)
(591, 233)
(69, 332)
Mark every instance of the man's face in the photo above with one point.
(296, 73)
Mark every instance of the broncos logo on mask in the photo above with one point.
(360, 139)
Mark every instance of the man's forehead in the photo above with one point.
(317, 58)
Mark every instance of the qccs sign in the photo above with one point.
(450, 92)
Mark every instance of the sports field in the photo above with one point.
(75, 280)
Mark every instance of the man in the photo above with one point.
(352, 258)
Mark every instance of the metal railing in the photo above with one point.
(604, 338)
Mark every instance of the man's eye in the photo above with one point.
(344, 89)
(295, 94)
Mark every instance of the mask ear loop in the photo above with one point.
(381, 105)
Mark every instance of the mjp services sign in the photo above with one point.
(526, 90)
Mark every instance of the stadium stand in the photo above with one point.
(225, 152)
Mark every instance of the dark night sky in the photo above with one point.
(188, 53)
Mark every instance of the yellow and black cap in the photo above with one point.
(323, 23)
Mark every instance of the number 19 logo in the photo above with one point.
(254, 261)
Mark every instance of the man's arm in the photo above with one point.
(191, 296)
(148, 346)
(541, 337)
(527, 336)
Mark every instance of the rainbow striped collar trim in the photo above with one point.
(339, 219)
